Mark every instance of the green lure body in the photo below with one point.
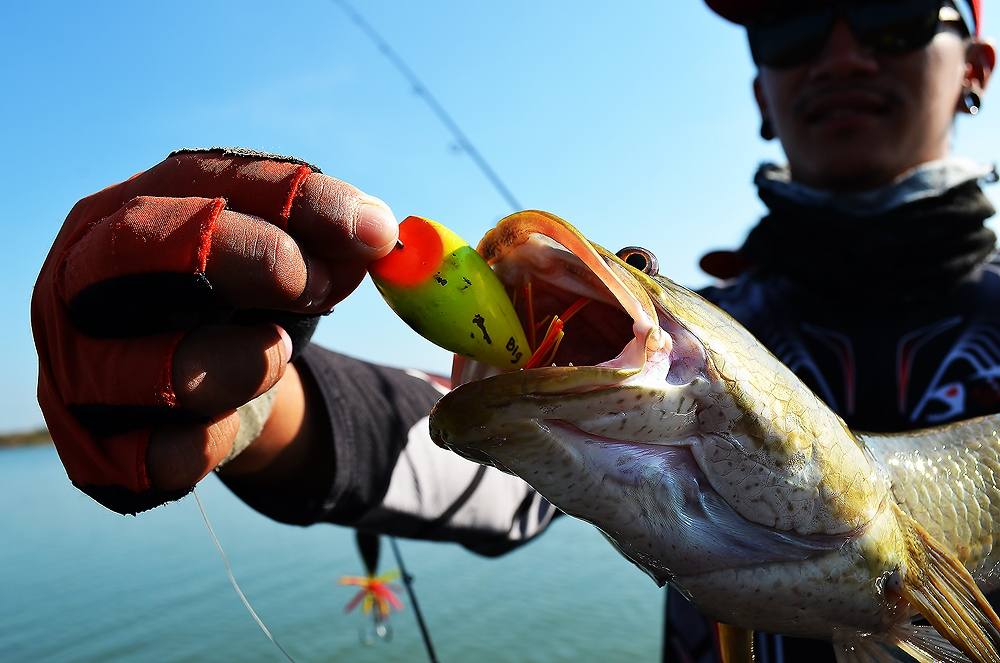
(447, 293)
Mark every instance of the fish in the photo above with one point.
(711, 466)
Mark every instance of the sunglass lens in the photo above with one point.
(895, 27)
(789, 40)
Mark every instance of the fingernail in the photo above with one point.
(318, 286)
(377, 226)
(286, 342)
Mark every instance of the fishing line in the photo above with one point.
(424, 93)
(232, 579)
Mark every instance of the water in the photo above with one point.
(80, 583)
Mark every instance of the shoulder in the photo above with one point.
(980, 294)
(749, 298)
(988, 274)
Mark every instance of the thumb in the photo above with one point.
(376, 226)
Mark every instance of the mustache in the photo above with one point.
(814, 101)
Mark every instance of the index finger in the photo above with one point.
(331, 218)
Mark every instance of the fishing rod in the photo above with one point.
(408, 584)
(422, 91)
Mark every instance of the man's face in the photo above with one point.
(850, 119)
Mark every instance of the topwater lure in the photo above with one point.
(448, 294)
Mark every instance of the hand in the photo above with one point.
(154, 312)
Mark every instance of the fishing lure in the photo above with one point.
(447, 293)
(377, 597)
(376, 594)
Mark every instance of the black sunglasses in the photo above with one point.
(887, 27)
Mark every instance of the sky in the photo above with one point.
(634, 121)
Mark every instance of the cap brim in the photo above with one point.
(745, 12)
(739, 11)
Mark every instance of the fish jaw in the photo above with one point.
(487, 406)
(523, 228)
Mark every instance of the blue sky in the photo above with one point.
(634, 121)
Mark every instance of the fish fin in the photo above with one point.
(862, 649)
(734, 643)
(943, 591)
(926, 645)
(922, 643)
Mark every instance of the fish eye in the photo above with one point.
(640, 258)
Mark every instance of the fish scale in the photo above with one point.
(936, 469)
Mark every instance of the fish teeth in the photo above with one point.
(699, 386)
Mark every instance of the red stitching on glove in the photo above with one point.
(301, 173)
(205, 233)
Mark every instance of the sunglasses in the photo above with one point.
(887, 27)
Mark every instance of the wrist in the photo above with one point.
(280, 446)
(288, 470)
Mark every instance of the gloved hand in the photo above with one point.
(166, 301)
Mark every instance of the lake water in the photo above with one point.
(80, 583)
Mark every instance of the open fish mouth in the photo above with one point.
(553, 274)
(612, 333)
(616, 335)
(603, 425)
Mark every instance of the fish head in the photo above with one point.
(659, 419)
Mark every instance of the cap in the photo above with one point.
(745, 11)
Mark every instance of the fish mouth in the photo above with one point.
(622, 338)
(549, 268)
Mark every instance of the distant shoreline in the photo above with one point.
(29, 438)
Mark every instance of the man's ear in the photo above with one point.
(766, 126)
(980, 59)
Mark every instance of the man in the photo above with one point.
(155, 312)
(871, 275)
